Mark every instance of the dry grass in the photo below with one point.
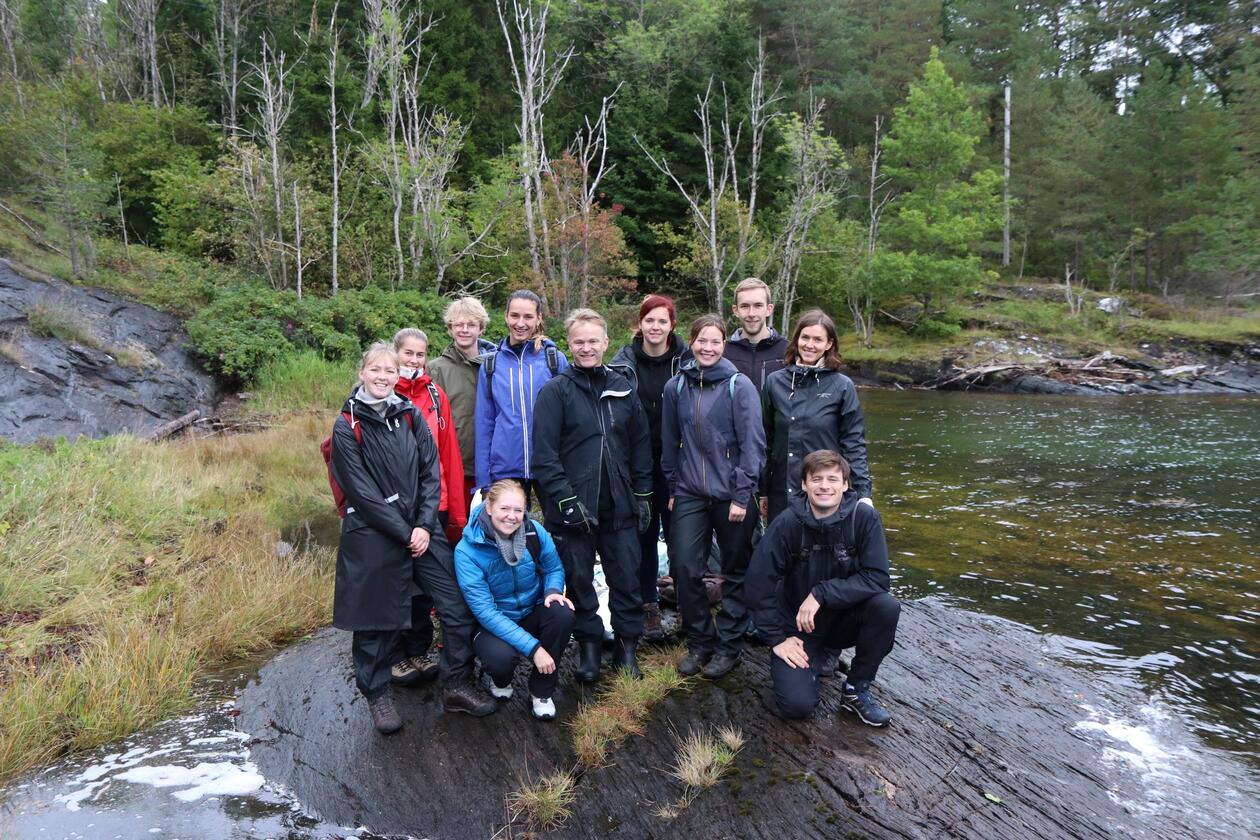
(544, 805)
(56, 319)
(703, 759)
(12, 350)
(126, 568)
(132, 354)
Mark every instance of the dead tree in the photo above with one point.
(415, 122)
(590, 150)
(268, 82)
(9, 25)
(140, 17)
(224, 48)
(879, 193)
(338, 159)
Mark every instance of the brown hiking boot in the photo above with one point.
(468, 698)
(384, 716)
(415, 669)
(652, 630)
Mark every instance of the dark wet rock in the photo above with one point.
(122, 367)
(985, 742)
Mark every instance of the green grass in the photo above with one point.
(302, 380)
(54, 319)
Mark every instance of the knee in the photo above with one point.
(884, 608)
(795, 706)
(559, 614)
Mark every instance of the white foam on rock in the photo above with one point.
(217, 778)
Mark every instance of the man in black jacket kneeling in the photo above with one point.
(592, 455)
(819, 579)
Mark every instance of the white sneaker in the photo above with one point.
(500, 693)
(544, 709)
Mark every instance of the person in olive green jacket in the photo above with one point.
(455, 372)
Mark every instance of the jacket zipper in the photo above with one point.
(524, 413)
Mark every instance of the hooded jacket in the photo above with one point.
(454, 501)
(843, 561)
(756, 361)
(806, 409)
(499, 594)
(649, 374)
(456, 374)
(392, 485)
(713, 441)
(505, 409)
(581, 436)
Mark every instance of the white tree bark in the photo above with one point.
(140, 17)
(274, 104)
(9, 20)
(226, 30)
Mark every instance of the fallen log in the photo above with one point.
(167, 429)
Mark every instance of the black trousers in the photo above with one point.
(416, 641)
(436, 568)
(373, 655)
(619, 554)
(649, 562)
(695, 523)
(551, 626)
(870, 626)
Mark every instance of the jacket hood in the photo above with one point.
(618, 380)
(473, 532)
(720, 372)
(674, 346)
(799, 507)
(738, 337)
(803, 373)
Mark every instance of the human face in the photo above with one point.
(825, 488)
(587, 343)
(465, 331)
(507, 512)
(522, 320)
(753, 309)
(413, 353)
(812, 344)
(379, 376)
(655, 327)
(708, 346)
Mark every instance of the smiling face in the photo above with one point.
(708, 346)
(587, 343)
(523, 320)
(413, 353)
(379, 375)
(655, 328)
(507, 511)
(464, 332)
(825, 488)
(812, 344)
(753, 309)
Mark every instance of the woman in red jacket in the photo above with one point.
(414, 662)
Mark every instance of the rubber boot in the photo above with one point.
(589, 654)
(623, 656)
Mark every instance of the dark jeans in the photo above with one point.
(695, 522)
(551, 626)
(649, 563)
(417, 640)
(437, 573)
(619, 553)
(373, 655)
(871, 626)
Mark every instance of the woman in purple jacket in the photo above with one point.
(713, 449)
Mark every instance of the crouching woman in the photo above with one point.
(819, 579)
(513, 581)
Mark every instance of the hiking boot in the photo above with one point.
(384, 716)
(830, 664)
(693, 661)
(468, 698)
(652, 630)
(719, 666)
(414, 670)
(859, 700)
(543, 708)
(623, 656)
(589, 654)
(504, 693)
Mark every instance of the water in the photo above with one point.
(1127, 527)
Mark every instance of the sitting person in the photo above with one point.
(513, 581)
(819, 579)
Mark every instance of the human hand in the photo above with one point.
(671, 504)
(805, 615)
(543, 661)
(419, 542)
(557, 598)
(645, 515)
(575, 515)
(764, 506)
(737, 513)
(792, 651)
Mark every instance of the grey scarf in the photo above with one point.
(379, 406)
(511, 548)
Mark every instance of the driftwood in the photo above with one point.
(1104, 371)
(167, 429)
(983, 744)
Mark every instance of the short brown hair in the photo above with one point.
(749, 284)
(585, 316)
(703, 323)
(825, 459)
(816, 318)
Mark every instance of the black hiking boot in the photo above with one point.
(469, 699)
(831, 664)
(589, 654)
(693, 661)
(859, 700)
(720, 665)
(384, 716)
(624, 656)
(652, 629)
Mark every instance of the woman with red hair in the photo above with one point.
(653, 357)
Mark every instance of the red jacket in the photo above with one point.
(454, 499)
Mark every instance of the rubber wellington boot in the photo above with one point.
(589, 654)
(623, 656)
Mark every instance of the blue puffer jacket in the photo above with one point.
(505, 410)
(500, 595)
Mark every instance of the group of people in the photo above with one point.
(747, 452)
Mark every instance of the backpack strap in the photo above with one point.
(534, 544)
(437, 404)
(354, 426)
(487, 364)
(553, 359)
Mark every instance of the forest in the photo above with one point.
(880, 159)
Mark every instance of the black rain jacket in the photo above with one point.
(649, 374)
(758, 361)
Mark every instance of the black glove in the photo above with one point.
(574, 515)
(645, 514)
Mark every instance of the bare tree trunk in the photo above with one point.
(297, 238)
(9, 24)
(122, 219)
(337, 163)
(224, 50)
(269, 83)
(1006, 179)
(140, 17)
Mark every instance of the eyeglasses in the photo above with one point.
(464, 325)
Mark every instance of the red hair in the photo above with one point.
(655, 302)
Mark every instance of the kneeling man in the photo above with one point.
(819, 579)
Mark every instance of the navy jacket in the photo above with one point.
(757, 361)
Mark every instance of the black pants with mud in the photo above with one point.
(870, 626)
(619, 554)
(694, 523)
(649, 556)
(551, 626)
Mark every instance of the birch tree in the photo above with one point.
(140, 17)
(269, 82)
(861, 288)
(227, 25)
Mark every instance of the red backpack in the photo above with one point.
(325, 448)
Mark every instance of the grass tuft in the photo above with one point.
(132, 354)
(703, 759)
(544, 805)
(54, 319)
(11, 350)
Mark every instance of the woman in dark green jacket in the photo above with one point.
(807, 406)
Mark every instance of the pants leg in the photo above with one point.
(735, 541)
(872, 628)
(796, 689)
(658, 522)
(498, 658)
(417, 640)
(437, 570)
(619, 554)
(551, 626)
(577, 553)
(688, 557)
(371, 651)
